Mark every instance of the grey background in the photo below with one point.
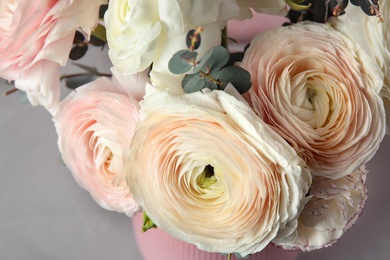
(44, 214)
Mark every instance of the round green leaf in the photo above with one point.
(179, 65)
(214, 59)
(78, 51)
(240, 78)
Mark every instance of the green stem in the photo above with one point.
(209, 77)
(229, 257)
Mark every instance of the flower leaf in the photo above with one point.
(78, 51)
(195, 82)
(213, 60)
(100, 32)
(148, 223)
(193, 39)
(239, 77)
(77, 81)
(179, 64)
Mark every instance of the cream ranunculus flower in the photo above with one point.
(137, 30)
(309, 85)
(334, 207)
(374, 38)
(95, 125)
(208, 171)
(36, 38)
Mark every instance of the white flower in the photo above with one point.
(138, 30)
(208, 171)
(373, 37)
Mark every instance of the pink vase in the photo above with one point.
(155, 244)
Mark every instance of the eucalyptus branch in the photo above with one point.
(9, 92)
(85, 74)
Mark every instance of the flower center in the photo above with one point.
(207, 178)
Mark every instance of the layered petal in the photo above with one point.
(309, 84)
(95, 125)
(37, 34)
(208, 171)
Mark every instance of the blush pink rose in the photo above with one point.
(36, 37)
(95, 125)
(309, 85)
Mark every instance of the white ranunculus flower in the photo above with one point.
(209, 171)
(137, 30)
(333, 209)
(374, 38)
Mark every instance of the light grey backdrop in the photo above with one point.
(44, 214)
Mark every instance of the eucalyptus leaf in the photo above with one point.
(193, 39)
(214, 59)
(78, 51)
(368, 6)
(78, 37)
(77, 81)
(195, 82)
(92, 70)
(189, 55)
(239, 77)
(179, 65)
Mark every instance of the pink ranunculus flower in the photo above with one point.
(36, 38)
(95, 125)
(209, 171)
(309, 85)
(334, 207)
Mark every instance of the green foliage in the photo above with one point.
(213, 60)
(210, 71)
(78, 80)
(148, 223)
(179, 63)
(240, 78)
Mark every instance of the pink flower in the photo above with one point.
(309, 85)
(36, 37)
(95, 125)
(334, 207)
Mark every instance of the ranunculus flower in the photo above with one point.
(95, 125)
(207, 170)
(333, 209)
(35, 38)
(374, 38)
(308, 84)
(138, 30)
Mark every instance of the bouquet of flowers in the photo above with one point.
(226, 151)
